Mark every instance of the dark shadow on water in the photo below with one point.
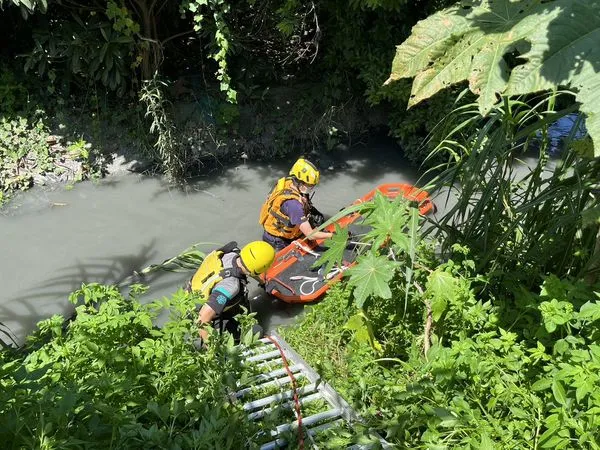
(363, 162)
(379, 156)
(271, 312)
(68, 279)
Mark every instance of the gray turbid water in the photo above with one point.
(55, 240)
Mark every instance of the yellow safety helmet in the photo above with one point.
(257, 257)
(305, 171)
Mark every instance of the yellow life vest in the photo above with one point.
(272, 218)
(210, 272)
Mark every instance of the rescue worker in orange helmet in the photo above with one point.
(285, 214)
(222, 278)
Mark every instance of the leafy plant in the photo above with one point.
(24, 152)
(13, 94)
(27, 6)
(111, 378)
(514, 218)
(167, 148)
(390, 241)
(505, 48)
(218, 9)
(484, 383)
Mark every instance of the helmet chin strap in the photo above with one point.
(243, 266)
(305, 189)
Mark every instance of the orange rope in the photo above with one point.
(295, 388)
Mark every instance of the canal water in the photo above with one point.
(55, 240)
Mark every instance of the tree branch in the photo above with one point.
(175, 36)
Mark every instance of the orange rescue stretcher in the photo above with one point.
(292, 277)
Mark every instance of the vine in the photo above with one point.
(219, 10)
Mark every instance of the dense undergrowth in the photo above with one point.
(439, 354)
(200, 83)
(501, 372)
(110, 378)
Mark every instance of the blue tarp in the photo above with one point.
(561, 129)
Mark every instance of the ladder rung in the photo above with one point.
(304, 400)
(311, 431)
(277, 382)
(263, 364)
(279, 397)
(264, 356)
(277, 373)
(310, 420)
(258, 349)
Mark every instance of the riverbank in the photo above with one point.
(64, 144)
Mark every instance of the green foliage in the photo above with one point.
(24, 152)
(27, 6)
(13, 94)
(392, 231)
(488, 381)
(112, 379)
(95, 46)
(465, 363)
(122, 21)
(167, 149)
(420, 128)
(371, 277)
(335, 249)
(505, 48)
(218, 9)
(440, 287)
(520, 224)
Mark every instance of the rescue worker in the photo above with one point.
(222, 278)
(285, 216)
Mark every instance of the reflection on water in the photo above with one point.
(54, 240)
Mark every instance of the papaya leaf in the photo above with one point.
(388, 221)
(335, 249)
(553, 44)
(371, 276)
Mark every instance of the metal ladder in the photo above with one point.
(266, 355)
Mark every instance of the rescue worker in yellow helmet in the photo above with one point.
(222, 278)
(285, 214)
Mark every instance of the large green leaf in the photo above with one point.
(441, 287)
(555, 41)
(388, 221)
(336, 246)
(371, 276)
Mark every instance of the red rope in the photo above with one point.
(295, 388)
